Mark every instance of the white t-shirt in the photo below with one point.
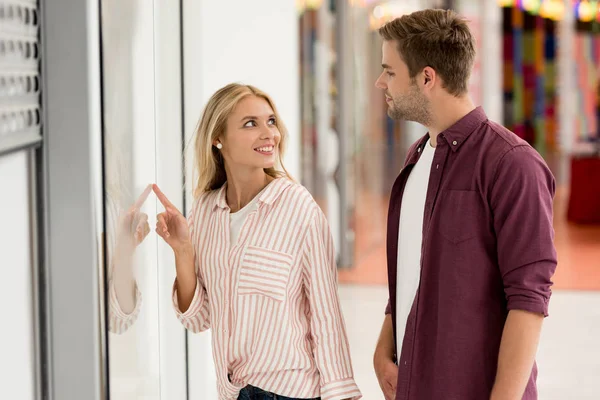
(237, 219)
(410, 238)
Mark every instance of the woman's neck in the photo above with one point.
(243, 187)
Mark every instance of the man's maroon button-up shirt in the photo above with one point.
(487, 249)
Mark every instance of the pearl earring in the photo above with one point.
(219, 146)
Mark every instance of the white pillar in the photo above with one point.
(567, 83)
(490, 54)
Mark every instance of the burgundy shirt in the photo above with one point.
(487, 249)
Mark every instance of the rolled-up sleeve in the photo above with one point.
(197, 316)
(120, 321)
(521, 201)
(388, 308)
(331, 348)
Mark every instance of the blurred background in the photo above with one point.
(99, 98)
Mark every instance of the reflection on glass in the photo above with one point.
(126, 230)
(129, 167)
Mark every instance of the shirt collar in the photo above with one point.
(268, 196)
(461, 130)
(457, 133)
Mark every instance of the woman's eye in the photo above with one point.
(249, 124)
(272, 121)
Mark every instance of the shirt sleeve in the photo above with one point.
(521, 201)
(388, 308)
(197, 316)
(118, 320)
(331, 348)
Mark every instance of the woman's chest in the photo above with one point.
(265, 259)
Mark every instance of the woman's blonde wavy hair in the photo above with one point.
(209, 164)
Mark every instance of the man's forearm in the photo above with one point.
(385, 344)
(517, 354)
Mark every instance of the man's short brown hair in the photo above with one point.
(439, 39)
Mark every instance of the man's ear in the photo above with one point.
(429, 76)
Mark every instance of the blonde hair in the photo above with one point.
(209, 164)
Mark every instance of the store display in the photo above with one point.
(587, 55)
(529, 54)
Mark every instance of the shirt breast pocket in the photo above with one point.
(264, 272)
(460, 216)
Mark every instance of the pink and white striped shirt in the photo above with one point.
(271, 300)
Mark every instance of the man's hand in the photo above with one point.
(383, 360)
(387, 375)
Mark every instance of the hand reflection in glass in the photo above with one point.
(129, 229)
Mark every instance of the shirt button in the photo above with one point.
(418, 149)
(455, 143)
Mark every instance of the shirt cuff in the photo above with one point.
(341, 390)
(527, 304)
(118, 320)
(116, 307)
(192, 309)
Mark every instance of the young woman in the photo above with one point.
(255, 261)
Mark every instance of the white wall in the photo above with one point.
(17, 369)
(254, 42)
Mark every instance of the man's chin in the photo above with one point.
(395, 115)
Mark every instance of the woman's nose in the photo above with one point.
(267, 132)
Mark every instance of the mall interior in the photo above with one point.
(100, 98)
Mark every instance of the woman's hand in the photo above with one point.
(171, 225)
(132, 226)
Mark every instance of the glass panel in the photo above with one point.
(129, 169)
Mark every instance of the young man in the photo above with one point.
(470, 239)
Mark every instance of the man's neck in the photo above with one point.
(451, 110)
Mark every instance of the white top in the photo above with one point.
(410, 237)
(237, 219)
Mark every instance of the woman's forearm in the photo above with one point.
(186, 277)
(123, 280)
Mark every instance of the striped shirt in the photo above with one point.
(271, 299)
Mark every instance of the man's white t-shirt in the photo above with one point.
(410, 237)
